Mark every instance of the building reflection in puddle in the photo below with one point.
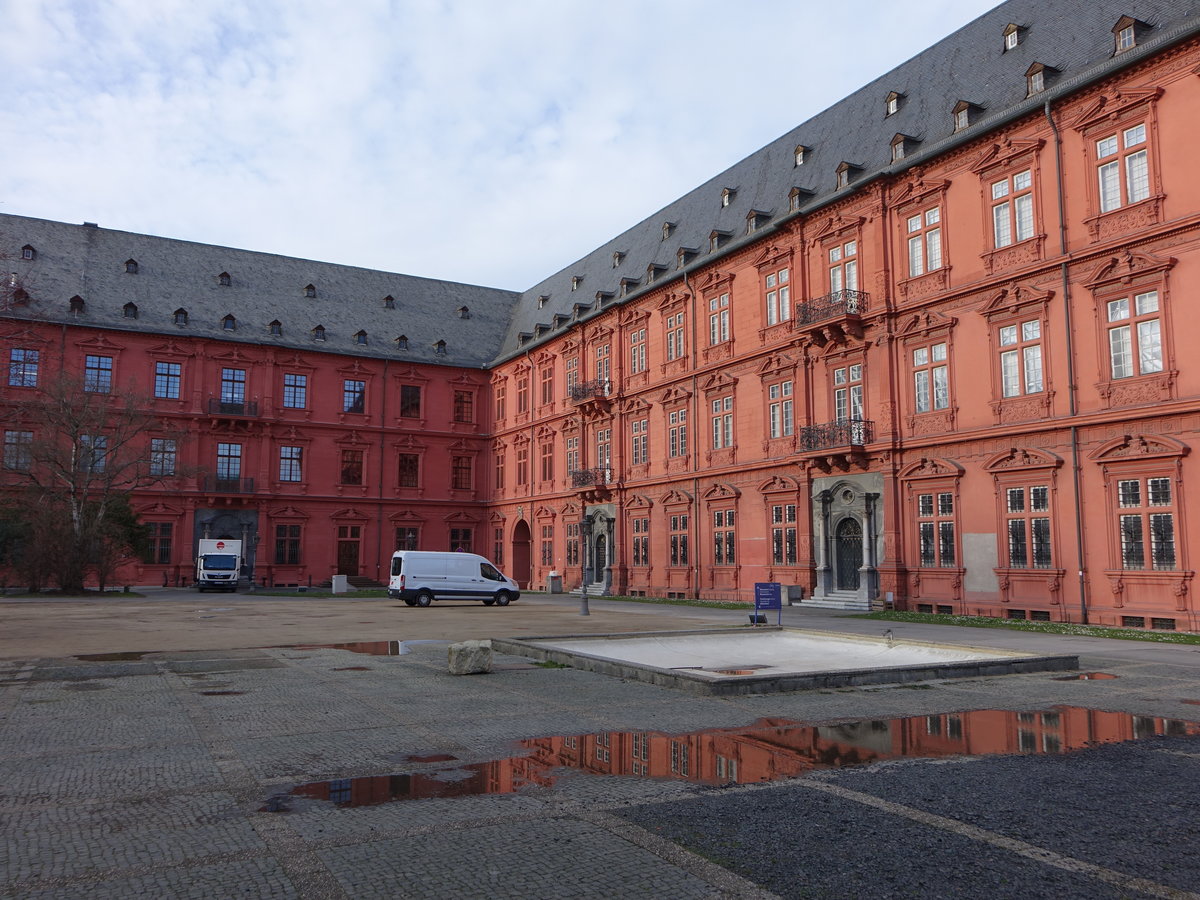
(768, 750)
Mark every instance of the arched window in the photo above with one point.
(131, 266)
(318, 333)
(181, 317)
(276, 328)
(130, 310)
(360, 337)
(77, 305)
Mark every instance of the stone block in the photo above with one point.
(470, 657)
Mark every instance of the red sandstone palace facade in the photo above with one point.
(956, 378)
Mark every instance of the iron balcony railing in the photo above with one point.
(586, 390)
(214, 484)
(843, 433)
(832, 306)
(218, 407)
(591, 477)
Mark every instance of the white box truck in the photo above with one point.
(418, 577)
(218, 564)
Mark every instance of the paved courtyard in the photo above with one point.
(206, 747)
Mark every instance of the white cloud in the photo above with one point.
(476, 141)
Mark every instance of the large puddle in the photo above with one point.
(768, 750)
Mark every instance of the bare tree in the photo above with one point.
(87, 451)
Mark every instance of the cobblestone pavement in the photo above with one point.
(171, 774)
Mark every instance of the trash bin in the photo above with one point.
(554, 583)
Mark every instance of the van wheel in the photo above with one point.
(424, 598)
(488, 601)
(503, 598)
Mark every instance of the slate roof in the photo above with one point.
(1073, 36)
(89, 262)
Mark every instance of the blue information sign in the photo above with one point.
(769, 595)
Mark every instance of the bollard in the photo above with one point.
(583, 601)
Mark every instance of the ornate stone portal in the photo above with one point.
(847, 535)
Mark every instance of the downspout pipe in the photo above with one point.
(1072, 386)
(695, 429)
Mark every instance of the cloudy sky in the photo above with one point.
(482, 141)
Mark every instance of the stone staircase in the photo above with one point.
(846, 600)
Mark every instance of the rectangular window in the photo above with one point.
(936, 529)
(295, 391)
(352, 467)
(780, 410)
(1147, 512)
(162, 456)
(97, 374)
(640, 449)
(637, 351)
(547, 545)
(22, 367)
(604, 455)
(848, 397)
(501, 392)
(675, 344)
(843, 267)
(158, 543)
(718, 320)
(410, 401)
(924, 242)
(1123, 169)
(722, 423)
(291, 464)
(679, 540)
(931, 378)
(522, 394)
(1028, 527)
(461, 473)
(166, 380)
(603, 367)
(547, 461)
(409, 538)
(1134, 336)
(18, 450)
(287, 545)
(464, 407)
(572, 367)
(572, 545)
(783, 534)
(229, 464)
(408, 470)
(354, 396)
(1012, 216)
(572, 445)
(462, 539)
(1021, 358)
(500, 462)
(522, 466)
(778, 296)
(233, 390)
(677, 433)
(724, 538)
(498, 545)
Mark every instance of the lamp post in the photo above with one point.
(585, 538)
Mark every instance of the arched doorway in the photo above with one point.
(848, 553)
(601, 558)
(522, 542)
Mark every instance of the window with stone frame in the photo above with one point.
(163, 455)
(923, 233)
(571, 546)
(547, 381)
(287, 545)
(1012, 209)
(676, 346)
(571, 445)
(462, 539)
(640, 527)
(462, 473)
(23, 367)
(637, 351)
(291, 466)
(603, 367)
(354, 394)
(1021, 359)
(522, 465)
(1134, 335)
(167, 377)
(159, 539)
(722, 422)
(843, 267)
(936, 527)
(639, 451)
(678, 537)
(931, 377)
(781, 416)
(1122, 167)
(783, 534)
(522, 392)
(547, 545)
(498, 545)
(718, 319)
(351, 469)
(18, 450)
(724, 537)
(1146, 515)
(499, 395)
(500, 460)
(408, 470)
(677, 436)
(295, 390)
(410, 401)
(848, 398)
(1027, 521)
(97, 374)
(407, 537)
(571, 365)
(777, 294)
(463, 410)
(546, 452)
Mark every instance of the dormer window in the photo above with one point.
(543, 300)
(402, 342)
(28, 252)
(902, 146)
(653, 271)
(275, 328)
(229, 323)
(1012, 37)
(360, 337)
(224, 280)
(129, 311)
(389, 302)
(1037, 77)
(131, 267)
(603, 297)
(799, 154)
(464, 313)
(77, 305)
(440, 347)
(727, 195)
(627, 285)
(716, 239)
(755, 219)
(964, 114)
(181, 316)
(892, 103)
(845, 171)
(618, 258)
(796, 197)
(1126, 33)
(318, 333)
(576, 281)
(685, 255)
(668, 227)
(310, 290)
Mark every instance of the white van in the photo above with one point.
(419, 577)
